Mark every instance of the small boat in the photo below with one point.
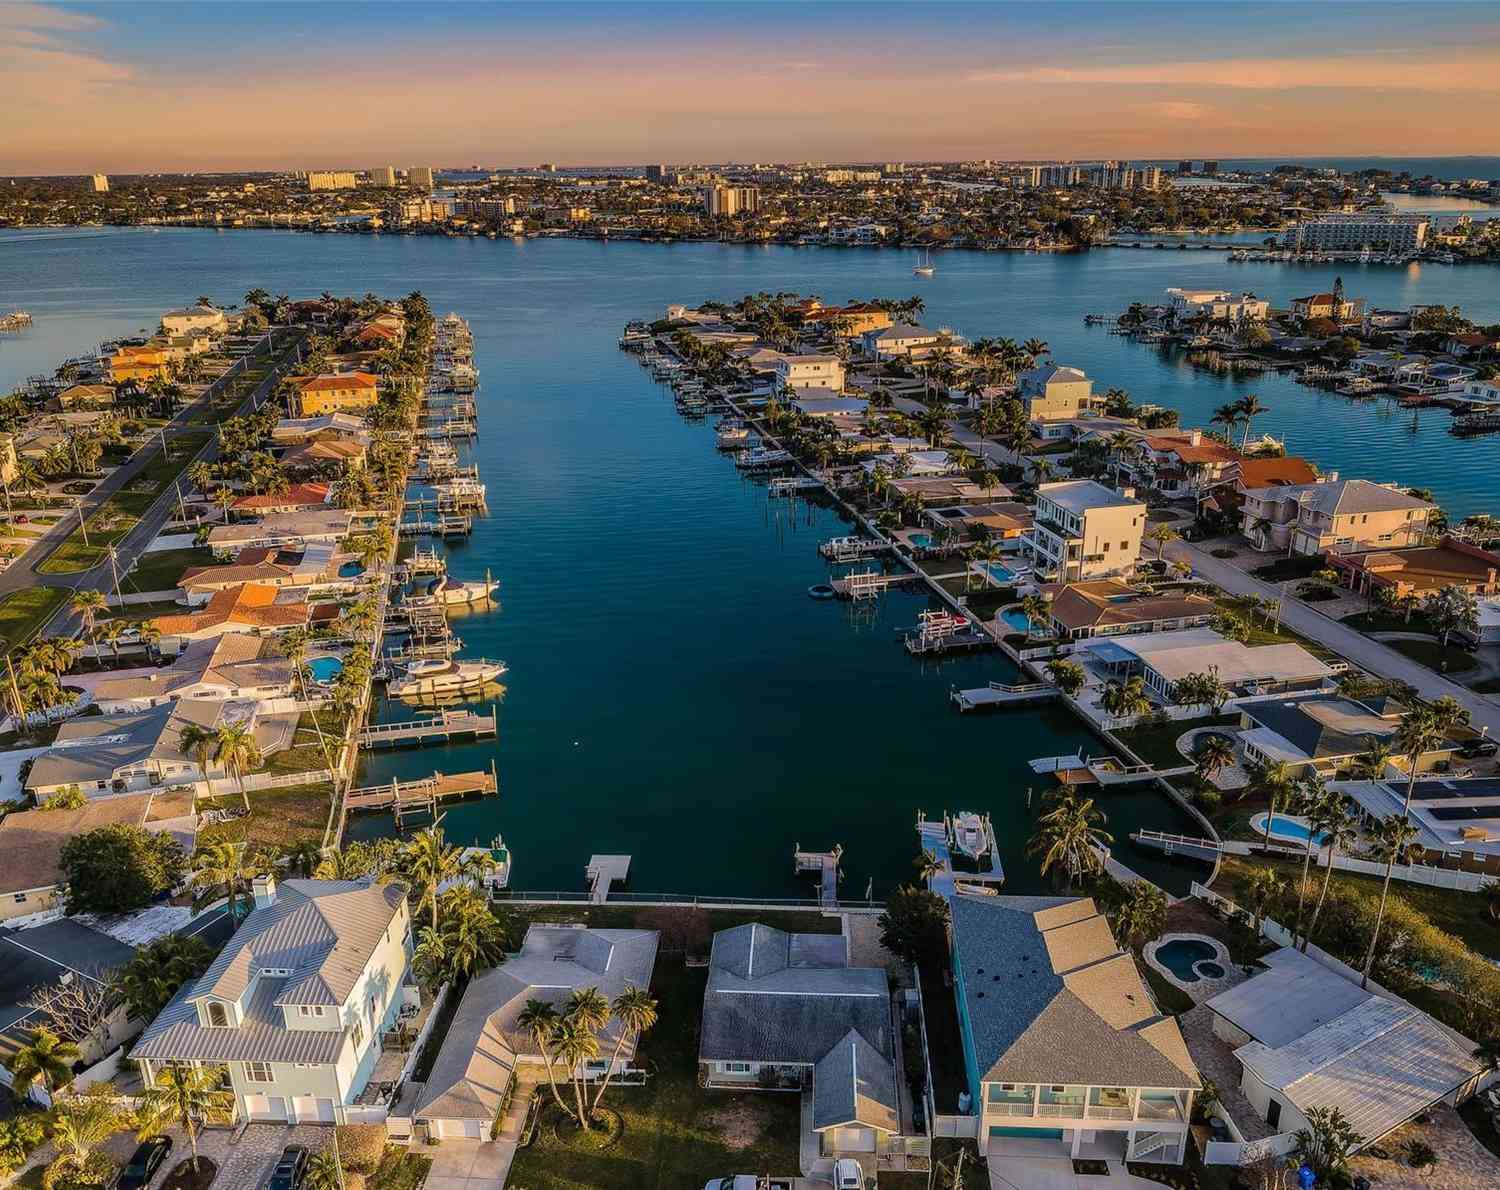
(449, 591)
(924, 266)
(435, 678)
(971, 836)
(497, 858)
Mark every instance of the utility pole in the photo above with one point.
(115, 569)
(15, 690)
(83, 527)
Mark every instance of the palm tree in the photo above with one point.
(428, 862)
(45, 1056)
(576, 1045)
(89, 605)
(636, 1011)
(185, 1095)
(1227, 416)
(1393, 839)
(1420, 732)
(1213, 755)
(302, 856)
(1265, 889)
(1338, 829)
(225, 864)
(236, 750)
(324, 1171)
(927, 866)
(1371, 764)
(540, 1019)
(197, 740)
(1278, 797)
(1037, 610)
(473, 938)
(79, 1126)
(1248, 407)
(1160, 534)
(1121, 700)
(1072, 836)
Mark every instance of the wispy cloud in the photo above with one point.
(1458, 74)
(45, 70)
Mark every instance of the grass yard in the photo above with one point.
(161, 570)
(1461, 914)
(1261, 633)
(278, 817)
(1157, 744)
(399, 1170)
(676, 1134)
(306, 754)
(1384, 621)
(23, 613)
(1432, 654)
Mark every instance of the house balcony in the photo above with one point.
(1159, 1110)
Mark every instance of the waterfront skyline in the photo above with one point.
(131, 88)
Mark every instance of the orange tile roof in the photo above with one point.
(338, 381)
(299, 493)
(252, 604)
(1273, 472)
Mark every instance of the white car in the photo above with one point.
(847, 1175)
(739, 1181)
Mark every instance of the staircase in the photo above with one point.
(528, 1077)
(1151, 1142)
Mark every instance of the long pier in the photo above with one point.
(434, 728)
(439, 526)
(422, 796)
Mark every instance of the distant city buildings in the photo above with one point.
(419, 177)
(1210, 168)
(327, 179)
(100, 183)
(383, 175)
(485, 208)
(728, 201)
(842, 177)
(1184, 168)
(411, 212)
(656, 173)
(1378, 231)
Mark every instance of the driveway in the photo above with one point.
(1355, 646)
(468, 1164)
(1056, 1173)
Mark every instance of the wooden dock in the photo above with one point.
(433, 728)
(421, 797)
(826, 864)
(870, 584)
(451, 525)
(998, 694)
(603, 872)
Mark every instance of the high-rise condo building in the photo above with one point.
(100, 183)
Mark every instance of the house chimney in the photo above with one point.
(264, 890)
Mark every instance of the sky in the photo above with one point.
(129, 87)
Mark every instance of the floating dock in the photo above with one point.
(443, 525)
(434, 728)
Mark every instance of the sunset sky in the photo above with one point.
(132, 87)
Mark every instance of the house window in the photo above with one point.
(309, 1010)
(20, 898)
(218, 1015)
(258, 1072)
(735, 1067)
(359, 1033)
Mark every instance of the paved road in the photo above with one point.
(22, 572)
(1355, 646)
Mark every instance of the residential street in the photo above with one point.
(1358, 648)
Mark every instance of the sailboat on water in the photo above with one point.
(924, 266)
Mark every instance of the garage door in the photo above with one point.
(460, 1129)
(855, 1140)
(307, 1109)
(265, 1107)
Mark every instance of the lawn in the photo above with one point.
(88, 545)
(1384, 621)
(1461, 914)
(1289, 568)
(306, 755)
(399, 1170)
(676, 1134)
(1261, 632)
(23, 613)
(161, 570)
(278, 817)
(1156, 744)
(1432, 654)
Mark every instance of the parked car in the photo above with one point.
(144, 1163)
(1473, 749)
(847, 1175)
(734, 1181)
(290, 1169)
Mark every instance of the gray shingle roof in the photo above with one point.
(778, 997)
(854, 1083)
(324, 932)
(475, 1062)
(1046, 1009)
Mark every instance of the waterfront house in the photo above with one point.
(135, 752)
(1065, 1049)
(295, 431)
(1162, 659)
(194, 318)
(1429, 378)
(240, 608)
(299, 497)
(1473, 343)
(1337, 515)
(1275, 471)
(1004, 522)
(1457, 818)
(1478, 392)
(1183, 464)
(809, 372)
(327, 454)
(263, 566)
(1109, 607)
(280, 531)
(1421, 570)
(1323, 733)
(471, 1077)
(848, 322)
(31, 843)
(338, 392)
(1084, 530)
(295, 1005)
(1327, 305)
(1053, 391)
(900, 340)
(234, 665)
(86, 396)
(1306, 1036)
(139, 363)
(786, 1011)
(1217, 305)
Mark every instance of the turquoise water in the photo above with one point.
(673, 692)
(1179, 955)
(1286, 828)
(324, 669)
(1018, 620)
(1001, 574)
(922, 541)
(351, 570)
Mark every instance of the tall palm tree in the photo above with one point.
(1160, 534)
(1308, 800)
(1338, 829)
(1393, 839)
(636, 1011)
(236, 750)
(89, 605)
(576, 1045)
(1213, 755)
(1037, 611)
(1420, 732)
(428, 862)
(473, 937)
(45, 1056)
(540, 1019)
(1124, 699)
(198, 741)
(227, 864)
(1071, 836)
(1278, 797)
(185, 1095)
(1374, 760)
(1249, 406)
(1227, 416)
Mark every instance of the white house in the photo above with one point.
(194, 318)
(1218, 304)
(809, 371)
(295, 1004)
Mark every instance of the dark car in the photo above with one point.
(1473, 749)
(144, 1163)
(290, 1170)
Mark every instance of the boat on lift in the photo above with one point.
(437, 678)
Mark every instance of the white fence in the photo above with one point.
(424, 1033)
(1235, 1152)
(223, 785)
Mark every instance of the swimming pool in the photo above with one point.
(1016, 619)
(1001, 574)
(351, 570)
(923, 541)
(324, 669)
(1283, 827)
(1190, 959)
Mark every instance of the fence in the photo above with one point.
(691, 900)
(1236, 1152)
(222, 785)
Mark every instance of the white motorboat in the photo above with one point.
(971, 836)
(436, 678)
